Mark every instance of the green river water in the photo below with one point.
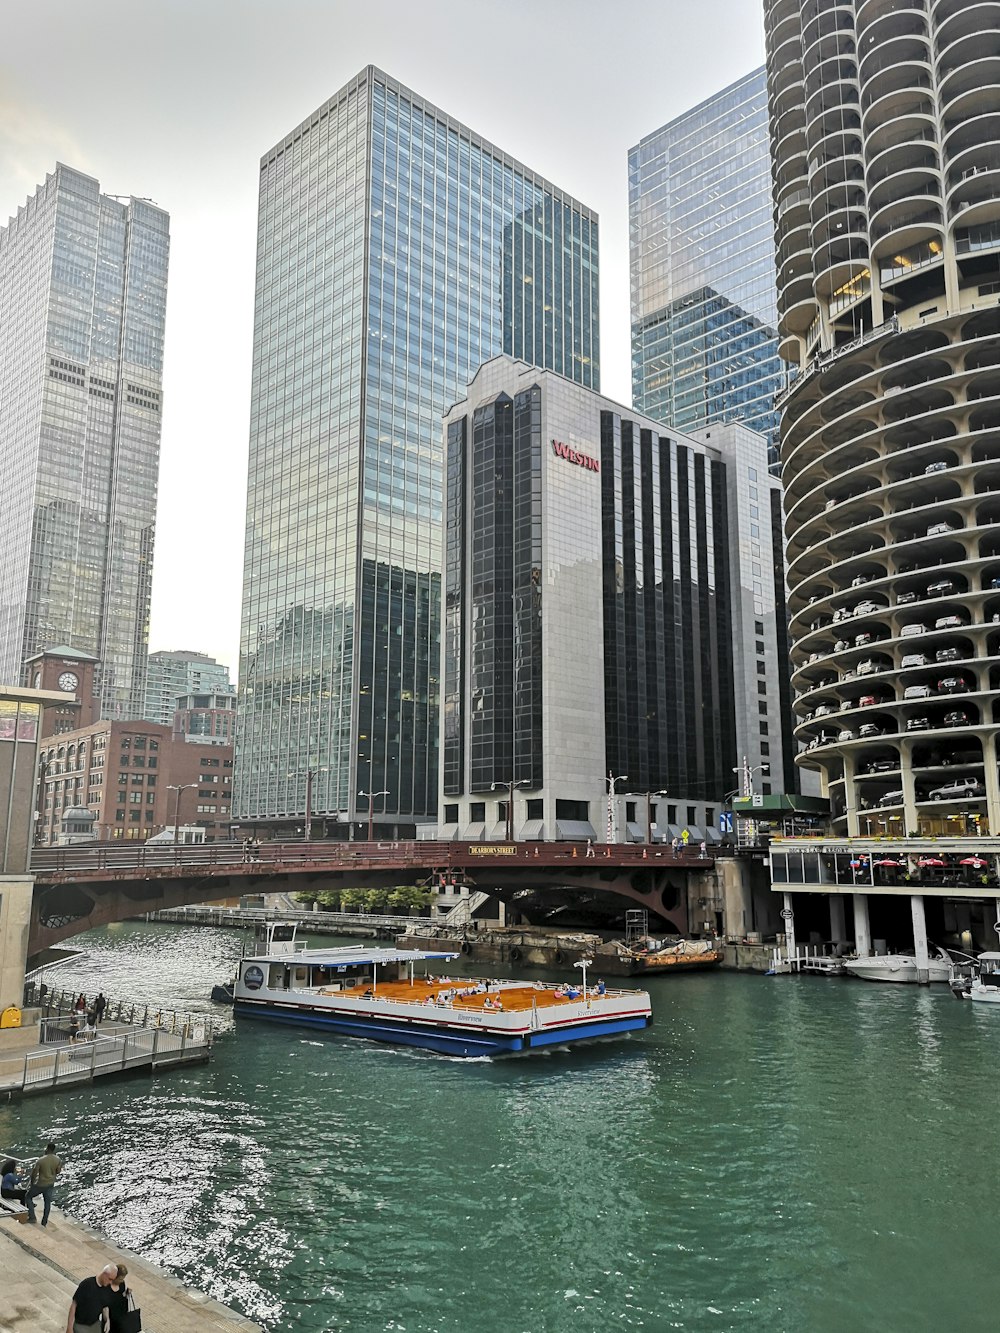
(773, 1153)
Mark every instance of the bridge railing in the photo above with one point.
(437, 855)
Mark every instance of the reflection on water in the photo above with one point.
(771, 1154)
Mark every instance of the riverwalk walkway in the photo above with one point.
(42, 1267)
(63, 1054)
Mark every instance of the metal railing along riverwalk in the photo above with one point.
(142, 1039)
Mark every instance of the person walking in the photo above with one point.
(81, 1003)
(100, 1004)
(590, 847)
(88, 1308)
(43, 1181)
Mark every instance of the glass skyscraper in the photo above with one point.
(704, 322)
(83, 285)
(397, 250)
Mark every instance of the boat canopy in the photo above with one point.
(360, 954)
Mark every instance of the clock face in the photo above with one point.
(68, 681)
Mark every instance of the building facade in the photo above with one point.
(397, 250)
(136, 779)
(704, 321)
(83, 281)
(885, 125)
(598, 570)
(171, 675)
(206, 719)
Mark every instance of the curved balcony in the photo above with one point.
(839, 222)
(871, 12)
(967, 48)
(906, 90)
(970, 105)
(838, 261)
(916, 181)
(877, 56)
(979, 73)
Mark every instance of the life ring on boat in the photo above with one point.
(515, 952)
(466, 947)
(559, 956)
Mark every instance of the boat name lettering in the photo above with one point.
(253, 977)
(574, 456)
(492, 849)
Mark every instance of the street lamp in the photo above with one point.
(509, 825)
(177, 788)
(371, 806)
(583, 964)
(612, 820)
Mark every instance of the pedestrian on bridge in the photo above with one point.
(100, 1004)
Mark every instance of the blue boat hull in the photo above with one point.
(435, 1038)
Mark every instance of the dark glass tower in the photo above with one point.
(704, 327)
(397, 251)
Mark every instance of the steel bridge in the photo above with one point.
(79, 887)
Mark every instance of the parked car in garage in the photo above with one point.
(957, 789)
(959, 718)
(914, 660)
(917, 692)
(891, 798)
(937, 529)
(949, 622)
(942, 589)
(954, 685)
(868, 729)
(917, 723)
(931, 468)
(882, 766)
(908, 631)
(948, 655)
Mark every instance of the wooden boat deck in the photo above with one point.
(513, 998)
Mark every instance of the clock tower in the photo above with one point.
(70, 673)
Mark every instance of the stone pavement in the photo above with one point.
(41, 1267)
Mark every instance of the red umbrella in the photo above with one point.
(930, 861)
(889, 862)
(976, 861)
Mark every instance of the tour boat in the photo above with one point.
(980, 982)
(899, 966)
(401, 996)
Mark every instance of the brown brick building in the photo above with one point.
(136, 778)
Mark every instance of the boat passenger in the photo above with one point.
(572, 993)
(601, 988)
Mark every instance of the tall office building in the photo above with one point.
(610, 606)
(885, 125)
(173, 674)
(397, 250)
(704, 325)
(83, 285)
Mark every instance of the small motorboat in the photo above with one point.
(979, 980)
(224, 994)
(899, 966)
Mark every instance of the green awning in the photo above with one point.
(780, 803)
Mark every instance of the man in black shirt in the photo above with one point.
(90, 1301)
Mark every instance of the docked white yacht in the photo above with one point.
(899, 966)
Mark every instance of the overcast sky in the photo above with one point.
(176, 100)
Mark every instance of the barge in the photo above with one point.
(406, 997)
